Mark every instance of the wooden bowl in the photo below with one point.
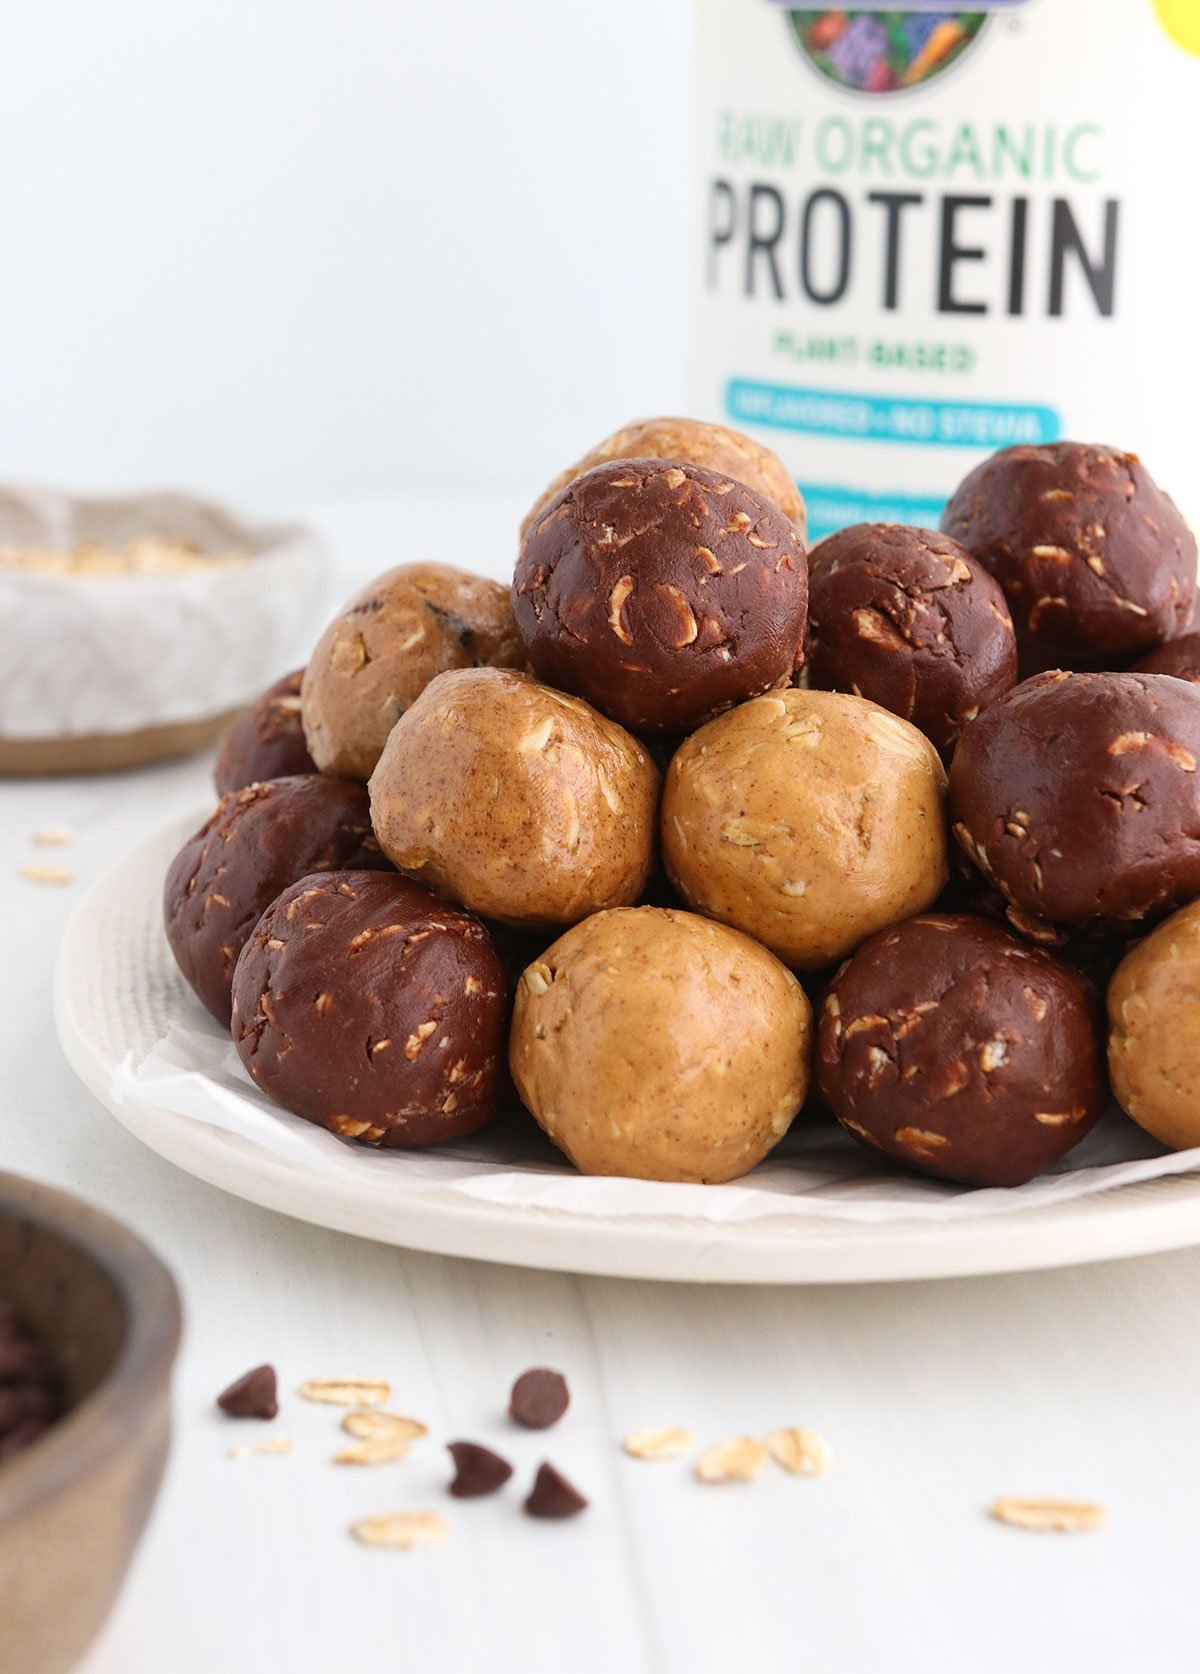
(73, 1506)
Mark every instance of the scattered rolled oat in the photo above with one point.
(402, 1530)
(375, 1425)
(47, 874)
(268, 1445)
(1049, 1515)
(53, 837)
(379, 1450)
(740, 1459)
(803, 1452)
(346, 1392)
(658, 1443)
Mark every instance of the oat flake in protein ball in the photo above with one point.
(921, 235)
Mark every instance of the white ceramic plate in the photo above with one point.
(117, 992)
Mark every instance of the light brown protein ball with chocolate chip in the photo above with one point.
(519, 802)
(371, 1008)
(951, 1046)
(380, 653)
(662, 593)
(654, 1044)
(1154, 1023)
(1078, 796)
(689, 441)
(808, 820)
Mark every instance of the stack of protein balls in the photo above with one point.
(588, 833)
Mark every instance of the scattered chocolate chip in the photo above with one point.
(553, 1496)
(251, 1396)
(539, 1398)
(479, 1470)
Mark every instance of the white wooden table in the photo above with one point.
(937, 1397)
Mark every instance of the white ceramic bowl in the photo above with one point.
(102, 671)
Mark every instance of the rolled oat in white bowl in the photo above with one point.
(132, 628)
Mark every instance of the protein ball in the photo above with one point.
(1077, 795)
(1180, 657)
(1154, 1039)
(954, 1048)
(907, 618)
(258, 841)
(1095, 559)
(662, 594)
(371, 1008)
(516, 801)
(688, 441)
(808, 820)
(654, 1044)
(373, 660)
(266, 741)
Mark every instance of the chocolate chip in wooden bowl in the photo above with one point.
(478, 1470)
(253, 1395)
(553, 1496)
(539, 1398)
(30, 1387)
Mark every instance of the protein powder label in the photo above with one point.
(924, 234)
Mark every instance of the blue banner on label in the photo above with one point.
(872, 418)
(831, 507)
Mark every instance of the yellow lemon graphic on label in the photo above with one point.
(1181, 20)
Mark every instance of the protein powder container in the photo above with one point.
(927, 233)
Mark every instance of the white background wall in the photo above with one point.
(278, 248)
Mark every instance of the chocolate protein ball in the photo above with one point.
(258, 841)
(516, 801)
(662, 594)
(371, 1008)
(950, 1045)
(808, 820)
(655, 1044)
(689, 442)
(1180, 657)
(1094, 947)
(408, 625)
(1095, 559)
(1078, 797)
(266, 741)
(907, 618)
(1154, 1023)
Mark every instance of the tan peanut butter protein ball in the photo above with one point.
(807, 819)
(380, 653)
(1154, 1031)
(654, 1044)
(689, 442)
(514, 800)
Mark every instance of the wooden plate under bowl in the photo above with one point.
(107, 752)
